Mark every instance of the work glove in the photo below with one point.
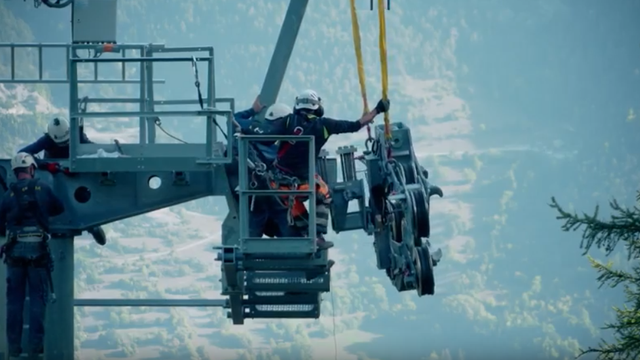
(67, 172)
(53, 167)
(383, 106)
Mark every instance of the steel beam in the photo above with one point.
(141, 59)
(282, 52)
(150, 302)
(4, 347)
(132, 114)
(64, 81)
(59, 328)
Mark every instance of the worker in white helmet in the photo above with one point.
(55, 145)
(292, 158)
(25, 211)
(55, 142)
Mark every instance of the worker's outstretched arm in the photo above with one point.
(36, 147)
(334, 127)
(244, 114)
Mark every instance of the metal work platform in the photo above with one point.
(281, 277)
(147, 154)
(147, 176)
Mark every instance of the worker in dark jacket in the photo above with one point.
(25, 210)
(245, 118)
(267, 216)
(292, 158)
(55, 145)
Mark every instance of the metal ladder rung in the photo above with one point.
(26, 356)
(284, 264)
(278, 246)
(282, 281)
(282, 312)
(284, 307)
(281, 299)
(277, 192)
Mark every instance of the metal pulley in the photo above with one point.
(415, 209)
(423, 263)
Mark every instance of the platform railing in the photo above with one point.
(148, 155)
(249, 245)
(148, 133)
(68, 53)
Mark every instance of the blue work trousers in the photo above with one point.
(270, 218)
(25, 270)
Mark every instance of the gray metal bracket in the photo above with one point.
(89, 202)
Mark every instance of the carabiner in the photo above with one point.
(368, 142)
(194, 67)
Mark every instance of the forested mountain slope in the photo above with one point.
(509, 103)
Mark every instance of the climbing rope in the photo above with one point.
(333, 319)
(158, 123)
(194, 67)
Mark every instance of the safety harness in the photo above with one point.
(29, 208)
(274, 179)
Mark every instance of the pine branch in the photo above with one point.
(607, 275)
(624, 226)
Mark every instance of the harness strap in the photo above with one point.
(275, 179)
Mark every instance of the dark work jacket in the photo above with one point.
(51, 149)
(293, 156)
(245, 119)
(49, 205)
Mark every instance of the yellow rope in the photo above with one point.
(355, 28)
(383, 64)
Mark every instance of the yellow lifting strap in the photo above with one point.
(383, 64)
(355, 27)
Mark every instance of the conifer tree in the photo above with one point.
(622, 227)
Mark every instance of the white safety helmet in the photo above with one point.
(308, 99)
(22, 160)
(277, 111)
(58, 130)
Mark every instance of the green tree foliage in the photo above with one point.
(622, 227)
